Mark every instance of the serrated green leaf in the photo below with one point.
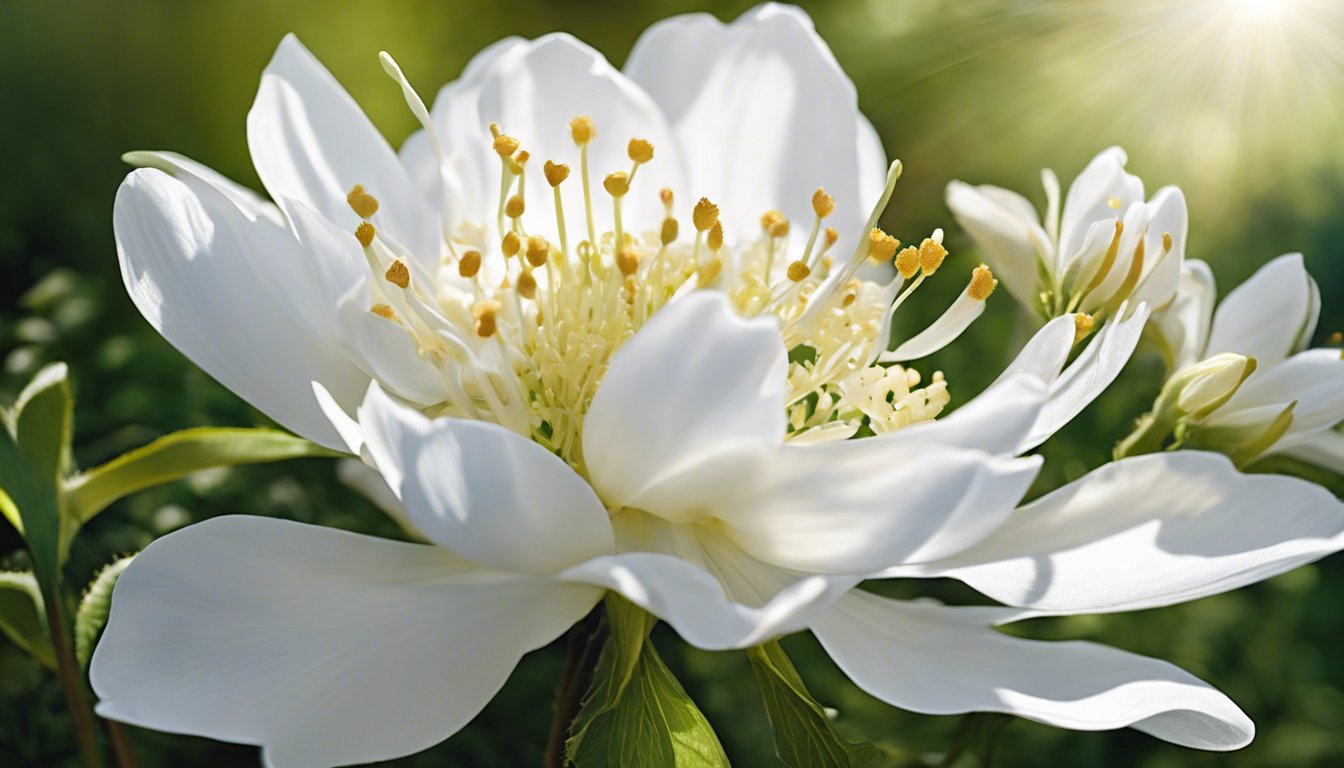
(637, 715)
(22, 616)
(804, 735)
(177, 455)
(91, 616)
(33, 495)
(43, 419)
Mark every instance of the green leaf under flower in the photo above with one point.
(22, 617)
(804, 735)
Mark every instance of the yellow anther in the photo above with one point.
(384, 311)
(665, 194)
(514, 207)
(706, 215)
(484, 313)
(364, 204)
(1166, 241)
(627, 260)
(1335, 338)
(537, 249)
(527, 284)
(798, 271)
(1082, 325)
(470, 264)
(494, 130)
(779, 228)
(1114, 202)
(907, 262)
(582, 129)
(617, 184)
(881, 246)
(505, 145)
(398, 274)
(364, 233)
(640, 150)
(831, 236)
(511, 244)
(822, 204)
(555, 173)
(982, 283)
(711, 270)
(772, 219)
(521, 158)
(931, 255)
(715, 239)
(668, 235)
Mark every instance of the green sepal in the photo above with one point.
(177, 455)
(23, 617)
(91, 616)
(804, 735)
(31, 496)
(637, 715)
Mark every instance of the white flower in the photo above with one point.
(620, 427)
(1106, 246)
(1294, 399)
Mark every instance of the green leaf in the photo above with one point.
(23, 617)
(91, 616)
(177, 455)
(32, 493)
(804, 735)
(43, 419)
(637, 715)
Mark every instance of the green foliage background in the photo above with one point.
(982, 90)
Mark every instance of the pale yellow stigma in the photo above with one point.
(470, 264)
(798, 271)
(484, 313)
(537, 249)
(398, 275)
(527, 284)
(822, 204)
(514, 207)
(705, 216)
(1115, 203)
(510, 245)
(505, 145)
(384, 311)
(640, 150)
(881, 246)
(931, 255)
(364, 233)
(1082, 326)
(617, 184)
(363, 204)
(982, 283)
(668, 234)
(715, 239)
(907, 262)
(582, 129)
(555, 173)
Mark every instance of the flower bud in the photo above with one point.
(1201, 388)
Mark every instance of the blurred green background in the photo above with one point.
(1237, 101)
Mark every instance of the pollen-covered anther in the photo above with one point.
(627, 260)
(822, 204)
(363, 204)
(537, 249)
(1114, 203)
(1166, 241)
(881, 246)
(798, 271)
(398, 274)
(982, 283)
(522, 157)
(514, 207)
(715, 238)
(668, 234)
(527, 284)
(510, 245)
(384, 311)
(640, 150)
(775, 224)
(555, 172)
(831, 236)
(494, 130)
(469, 264)
(931, 255)
(505, 145)
(907, 261)
(484, 312)
(1082, 326)
(582, 129)
(705, 216)
(364, 233)
(617, 184)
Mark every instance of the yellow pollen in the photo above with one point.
(582, 129)
(881, 246)
(364, 233)
(715, 239)
(640, 150)
(822, 204)
(511, 244)
(555, 172)
(907, 262)
(798, 271)
(931, 255)
(617, 184)
(514, 208)
(494, 130)
(398, 274)
(522, 157)
(537, 248)
(1166, 241)
(505, 145)
(668, 235)
(484, 314)
(831, 236)
(470, 264)
(706, 215)
(772, 219)
(982, 283)
(1082, 325)
(627, 260)
(1114, 202)
(364, 204)
(779, 228)
(527, 284)
(384, 311)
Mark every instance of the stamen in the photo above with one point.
(881, 246)
(582, 130)
(537, 250)
(931, 255)
(822, 204)
(705, 216)
(505, 145)
(982, 283)
(715, 239)
(640, 151)
(1082, 326)
(668, 234)
(555, 174)
(1114, 203)
(398, 275)
(363, 204)
(382, 310)
(484, 313)
(514, 207)
(627, 260)
(907, 262)
(510, 245)
(469, 264)
(527, 284)
(798, 271)
(364, 233)
(617, 184)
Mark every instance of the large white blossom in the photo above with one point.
(588, 411)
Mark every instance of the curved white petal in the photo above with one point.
(322, 646)
(690, 409)
(763, 115)
(996, 421)
(1314, 379)
(484, 493)
(311, 142)
(1045, 353)
(941, 332)
(1089, 200)
(1147, 531)
(1182, 327)
(1005, 235)
(186, 253)
(941, 660)
(1265, 315)
(1162, 268)
(1325, 449)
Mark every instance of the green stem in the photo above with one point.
(70, 680)
(121, 744)
(585, 646)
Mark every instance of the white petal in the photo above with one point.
(996, 421)
(1315, 379)
(940, 332)
(1162, 273)
(310, 141)
(792, 123)
(1004, 234)
(322, 646)
(691, 408)
(186, 257)
(1045, 353)
(1089, 196)
(872, 164)
(1088, 375)
(1325, 449)
(484, 493)
(1148, 531)
(1182, 327)
(1265, 315)
(371, 485)
(940, 660)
